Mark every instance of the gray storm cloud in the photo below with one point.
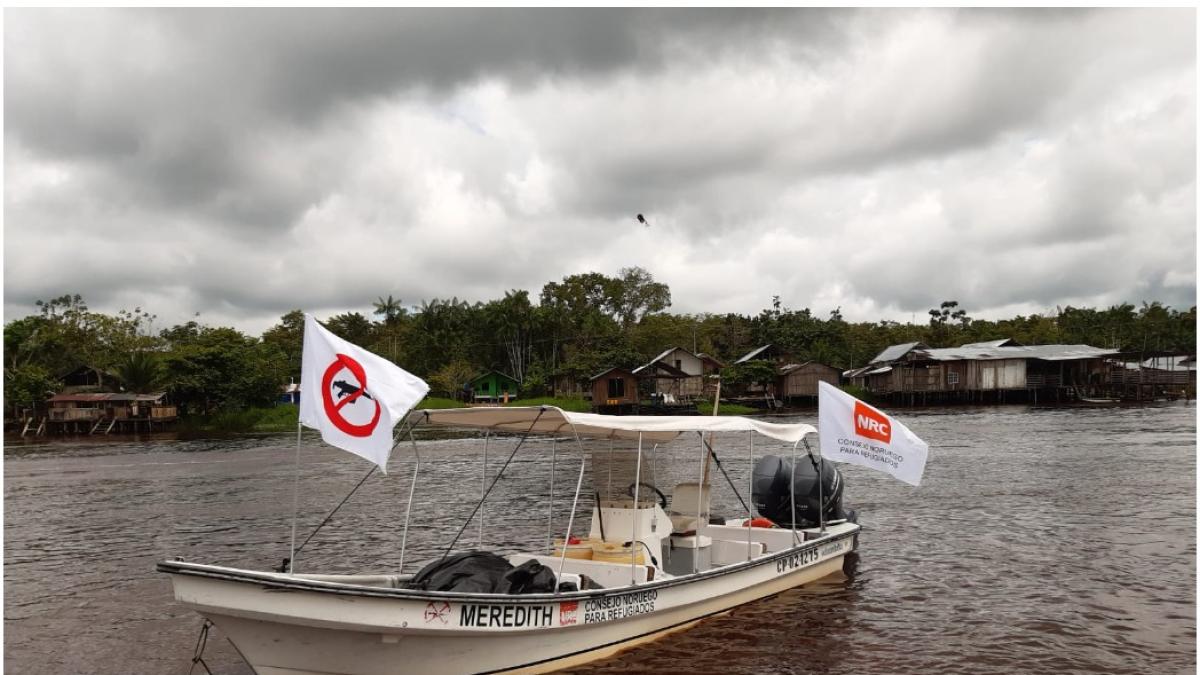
(239, 163)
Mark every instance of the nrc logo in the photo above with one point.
(871, 424)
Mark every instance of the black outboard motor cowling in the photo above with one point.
(772, 491)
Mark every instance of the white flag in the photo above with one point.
(352, 396)
(855, 433)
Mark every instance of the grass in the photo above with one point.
(437, 403)
(857, 392)
(705, 408)
(276, 418)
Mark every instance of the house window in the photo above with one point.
(952, 377)
(616, 387)
(678, 364)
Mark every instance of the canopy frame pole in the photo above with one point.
(550, 513)
(571, 520)
(491, 486)
(654, 482)
(412, 488)
(610, 461)
(717, 461)
(820, 486)
(749, 513)
(637, 516)
(699, 504)
(487, 436)
(792, 488)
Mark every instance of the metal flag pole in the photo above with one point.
(296, 549)
(550, 514)
(483, 485)
(295, 502)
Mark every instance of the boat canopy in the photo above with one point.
(552, 420)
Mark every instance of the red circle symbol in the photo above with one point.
(333, 410)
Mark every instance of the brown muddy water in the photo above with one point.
(1042, 540)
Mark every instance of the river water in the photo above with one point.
(1041, 540)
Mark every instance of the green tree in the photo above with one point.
(224, 369)
(142, 373)
(287, 337)
(27, 385)
(451, 378)
(351, 327)
(634, 294)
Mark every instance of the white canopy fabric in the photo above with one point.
(552, 420)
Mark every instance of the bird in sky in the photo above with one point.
(642, 219)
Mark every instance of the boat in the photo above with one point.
(659, 562)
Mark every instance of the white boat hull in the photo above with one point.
(288, 625)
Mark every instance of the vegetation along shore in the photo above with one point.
(550, 344)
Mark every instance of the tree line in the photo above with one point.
(572, 330)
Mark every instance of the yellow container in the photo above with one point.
(606, 551)
(580, 551)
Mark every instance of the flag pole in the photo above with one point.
(295, 502)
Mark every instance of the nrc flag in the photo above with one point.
(353, 397)
(855, 433)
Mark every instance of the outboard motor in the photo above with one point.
(772, 492)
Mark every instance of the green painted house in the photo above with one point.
(492, 386)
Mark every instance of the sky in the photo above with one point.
(229, 165)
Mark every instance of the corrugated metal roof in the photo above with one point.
(855, 372)
(993, 351)
(895, 352)
(1170, 363)
(1040, 352)
(602, 374)
(653, 367)
(993, 343)
(99, 397)
(662, 356)
(785, 369)
(751, 355)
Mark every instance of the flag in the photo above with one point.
(353, 397)
(855, 433)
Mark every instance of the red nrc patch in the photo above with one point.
(871, 424)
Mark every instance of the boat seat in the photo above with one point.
(682, 509)
(774, 539)
(608, 575)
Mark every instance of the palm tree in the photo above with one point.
(390, 309)
(141, 373)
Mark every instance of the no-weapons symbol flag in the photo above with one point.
(855, 433)
(353, 397)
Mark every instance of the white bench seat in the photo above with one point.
(608, 575)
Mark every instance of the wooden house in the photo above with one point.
(980, 368)
(494, 386)
(615, 390)
(676, 375)
(92, 412)
(799, 380)
(569, 386)
(712, 365)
